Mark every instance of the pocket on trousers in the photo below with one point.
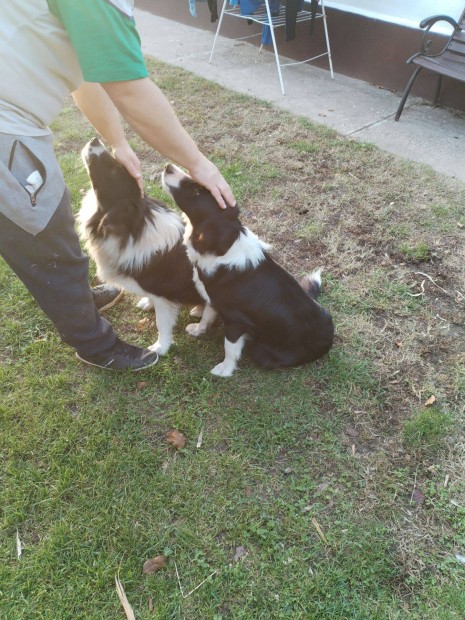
(27, 169)
(31, 183)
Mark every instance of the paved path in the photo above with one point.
(424, 134)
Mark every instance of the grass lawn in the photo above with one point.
(331, 491)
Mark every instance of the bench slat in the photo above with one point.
(444, 66)
(457, 46)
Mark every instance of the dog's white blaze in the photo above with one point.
(160, 235)
(172, 180)
(89, 150)
(246, 252)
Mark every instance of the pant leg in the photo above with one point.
(56, 272)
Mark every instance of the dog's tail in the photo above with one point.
(311, 283)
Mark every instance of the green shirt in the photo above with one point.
(104, 37)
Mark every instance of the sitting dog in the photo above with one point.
(137, 244)
(257, 299)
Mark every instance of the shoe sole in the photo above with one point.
(81, 359)
(111, 303)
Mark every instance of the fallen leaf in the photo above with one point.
(241, 552)
(430, 401)
(398, 343)
(143, 324)
(199, 440)
(351, 431)
(154, 564)
(141, 385)
(176, 439)
(288, 470)
(418, 497)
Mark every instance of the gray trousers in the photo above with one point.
(56, 272)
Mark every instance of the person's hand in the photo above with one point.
(124, 154)
(207, 174)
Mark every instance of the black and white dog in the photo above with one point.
(137, 244)
(259, 301)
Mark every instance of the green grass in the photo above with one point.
(418, 253)
(427, 429)
(310, 469)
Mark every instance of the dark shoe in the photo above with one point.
(105, 296)
(122, 356)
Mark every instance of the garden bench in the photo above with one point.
(449, 62)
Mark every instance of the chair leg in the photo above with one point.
(217, 30)
(405, 95)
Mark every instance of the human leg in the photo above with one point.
(55, 271)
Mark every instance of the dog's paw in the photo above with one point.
(197, 311)
(195, 329)
(145, 304)
(159, 348)
(223, 370)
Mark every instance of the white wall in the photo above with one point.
(404, 12)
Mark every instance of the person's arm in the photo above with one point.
(150, 115)
(98, 108)
(109, 52)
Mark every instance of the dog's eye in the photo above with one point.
(196, 192)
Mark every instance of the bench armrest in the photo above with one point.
(426, 43)
(428, 22)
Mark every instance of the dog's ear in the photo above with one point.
(215, 237)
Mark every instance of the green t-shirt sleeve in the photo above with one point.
(106, 41)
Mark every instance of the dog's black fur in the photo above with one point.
(256, 298)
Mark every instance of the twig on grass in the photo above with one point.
(196, 587)
(179, 580)
(124, 600)
(422, 286)
(19, 545)
(420, 273)
(201, 584)
(319, 530)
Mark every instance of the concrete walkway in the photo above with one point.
(423, 134)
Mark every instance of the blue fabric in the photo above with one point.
(192, 10)
(248, 7)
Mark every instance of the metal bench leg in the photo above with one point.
(438, 90)
(405, 95)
